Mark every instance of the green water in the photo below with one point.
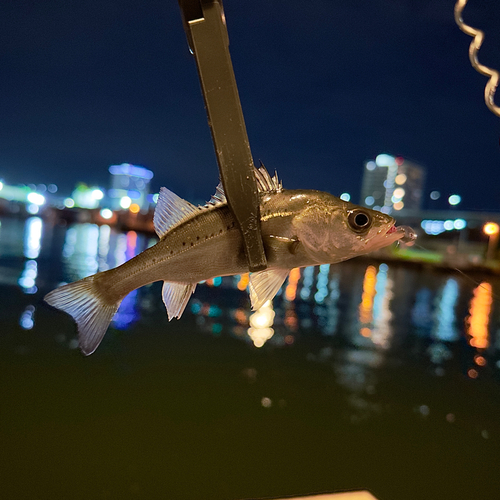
(192, 409)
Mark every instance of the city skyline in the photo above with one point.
(322, 90)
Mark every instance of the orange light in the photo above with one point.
(480, 360)
(240, 316)
(293, 279)
(366, 332)
(291, 320)
(491, 228)
(479, 315)
(131, 239)
(134, 208)
(366, 306)
(243, 283)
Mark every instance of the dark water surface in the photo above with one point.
(368, 375)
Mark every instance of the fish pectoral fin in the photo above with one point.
(175, 297)
(264, 285)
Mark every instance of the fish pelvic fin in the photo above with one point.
(92, 314)
(175, 297)
(264, 285)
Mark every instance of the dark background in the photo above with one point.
(325, 85)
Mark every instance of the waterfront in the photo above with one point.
(369, 375)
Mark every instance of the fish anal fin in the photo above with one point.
(175, 297)
(264, 285)
(170, 210)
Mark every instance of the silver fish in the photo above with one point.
(299, 228)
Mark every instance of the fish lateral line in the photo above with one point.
(301, 228)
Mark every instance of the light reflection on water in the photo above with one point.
(381, 331)
(360, 304)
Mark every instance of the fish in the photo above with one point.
(299, 228)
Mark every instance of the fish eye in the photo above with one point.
(359, 220)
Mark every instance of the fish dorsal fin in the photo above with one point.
(219, 196)
(175, 297)
(264, 285)
(266, 183)
(170, 210)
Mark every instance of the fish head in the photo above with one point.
(333, 230)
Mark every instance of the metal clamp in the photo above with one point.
(205, 27)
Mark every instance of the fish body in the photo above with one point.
(299, 228)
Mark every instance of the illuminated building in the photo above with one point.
(392, 184)
(84, 197)
(129, 185)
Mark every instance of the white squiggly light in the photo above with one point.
(491, 86)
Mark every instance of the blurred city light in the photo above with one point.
(261, 321)
(448, 225)
(32, 237)
(491, 228)
(97, 194)
(134, 208)
(345, 197)
(399, 192)
(27, 320)
(385, 160)
(125, 202)
(36, 198)
(454, 199)
(293, 279)
(435, 195)
(69, 202)
(87, 197)
(106, 213)
(435, 227)
(479, 316)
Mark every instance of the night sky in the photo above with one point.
(324, 85)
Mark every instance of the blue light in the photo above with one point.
(448, 225)
(384, 160)
(129, 169)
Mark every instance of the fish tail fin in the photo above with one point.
(85, 304)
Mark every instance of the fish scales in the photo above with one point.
(299, 228)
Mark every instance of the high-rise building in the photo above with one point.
(129, 185)
(392, 184)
